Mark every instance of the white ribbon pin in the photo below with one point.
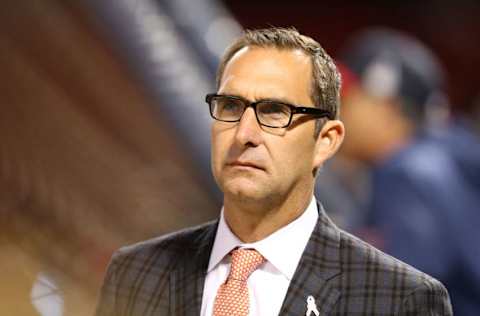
(311, 307)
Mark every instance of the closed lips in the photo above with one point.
(245, 164)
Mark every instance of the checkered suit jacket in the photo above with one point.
(165, 276)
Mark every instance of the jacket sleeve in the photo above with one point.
(430, 298)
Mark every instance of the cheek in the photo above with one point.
(216, 151)
(220, 143)
(295, 156)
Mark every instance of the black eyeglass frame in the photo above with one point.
(294, 109)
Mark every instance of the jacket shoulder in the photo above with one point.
(169, 245)
(381, 283)
(140, 272)
(361, 257)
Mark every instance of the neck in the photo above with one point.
(252, 220)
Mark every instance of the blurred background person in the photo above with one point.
(423, 170)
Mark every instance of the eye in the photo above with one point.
(230, 105)
(274, 109)
(228, 108)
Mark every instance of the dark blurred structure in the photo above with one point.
(87, 161)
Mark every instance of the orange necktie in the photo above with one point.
(232, 296)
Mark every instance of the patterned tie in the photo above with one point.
(232, 296)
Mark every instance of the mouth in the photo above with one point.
(245, 164)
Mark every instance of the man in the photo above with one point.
(400, 83)
(273, 251)
(424, 177)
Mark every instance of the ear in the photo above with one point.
(328, 141)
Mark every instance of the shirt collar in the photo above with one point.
(283, 248)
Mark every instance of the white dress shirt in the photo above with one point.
(267, 285)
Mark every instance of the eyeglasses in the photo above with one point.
(269, 113)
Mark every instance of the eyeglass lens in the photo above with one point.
(268, 113)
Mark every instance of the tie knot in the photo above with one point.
(244, 262)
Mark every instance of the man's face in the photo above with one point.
(371, 123)
(253, 162)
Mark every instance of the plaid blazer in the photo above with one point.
(346, 276)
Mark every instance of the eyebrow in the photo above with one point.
(272, 99)
(280, 100)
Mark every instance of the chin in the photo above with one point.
(244, 189)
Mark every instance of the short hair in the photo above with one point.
(326, 81)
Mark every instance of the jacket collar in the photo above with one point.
(188, 277)
(320, 263)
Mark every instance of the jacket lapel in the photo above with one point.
(318, 265)
(188, 278)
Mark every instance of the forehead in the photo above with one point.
(259, 73)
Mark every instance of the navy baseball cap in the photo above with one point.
(391, 64)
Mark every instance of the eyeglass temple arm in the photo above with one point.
(315, 111)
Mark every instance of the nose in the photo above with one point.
(248, 130)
